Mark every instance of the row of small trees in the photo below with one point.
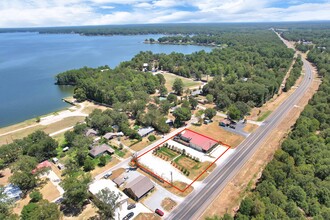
(181, 151)
(181, 168)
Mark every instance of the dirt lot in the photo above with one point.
(49, 191)
(213, 130)
(147, 216)
(4, 178)
(168, 204)
(187, 83)
(230, 197)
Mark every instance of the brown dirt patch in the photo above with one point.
(168, 204)
(20, 204)
(213, 130)
(4, 178)
(180, 185)
(228, 200)
(249, 128)
(99, 170)
(147, 216)
(49, 191)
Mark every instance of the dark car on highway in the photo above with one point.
(159, 212)
(131, 206)
(128, 216)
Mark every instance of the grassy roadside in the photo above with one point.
(264, 115)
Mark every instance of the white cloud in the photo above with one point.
(23, 13)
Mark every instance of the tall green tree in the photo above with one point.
(178, 86)
(76, 191)
(106, 201)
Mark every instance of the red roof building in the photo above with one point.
(44, 164)
(198, 141)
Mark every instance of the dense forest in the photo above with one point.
(294, 74)
(110, 86)
(182, 29)
(246, 74)
(296, 183)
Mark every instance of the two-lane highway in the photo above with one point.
(195, 204)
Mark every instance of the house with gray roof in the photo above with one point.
(138, 187)
(100, 150)
(91, 133)
(145, 131)
(111, 135)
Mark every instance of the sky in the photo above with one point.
(46, 13)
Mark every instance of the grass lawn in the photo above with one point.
(168, 152)
(142, 144)
(187, 83)
(180, 185)
(264, 115)
(213, 130)
(195, 168)
(99, 170)
(67, 122)
(250, 128)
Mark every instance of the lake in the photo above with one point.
(30, 61)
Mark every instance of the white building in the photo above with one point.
(98, 185)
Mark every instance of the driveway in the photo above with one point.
(154, 201)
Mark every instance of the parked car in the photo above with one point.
(131, 206)
(107, 175)
(128, 216)
(59, 201)
(159, 212)
(232, 126)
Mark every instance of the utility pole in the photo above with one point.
(171, 178)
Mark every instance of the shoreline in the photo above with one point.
(31, 121)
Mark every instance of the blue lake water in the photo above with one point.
(29, 62)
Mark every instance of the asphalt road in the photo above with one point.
(195, 204)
